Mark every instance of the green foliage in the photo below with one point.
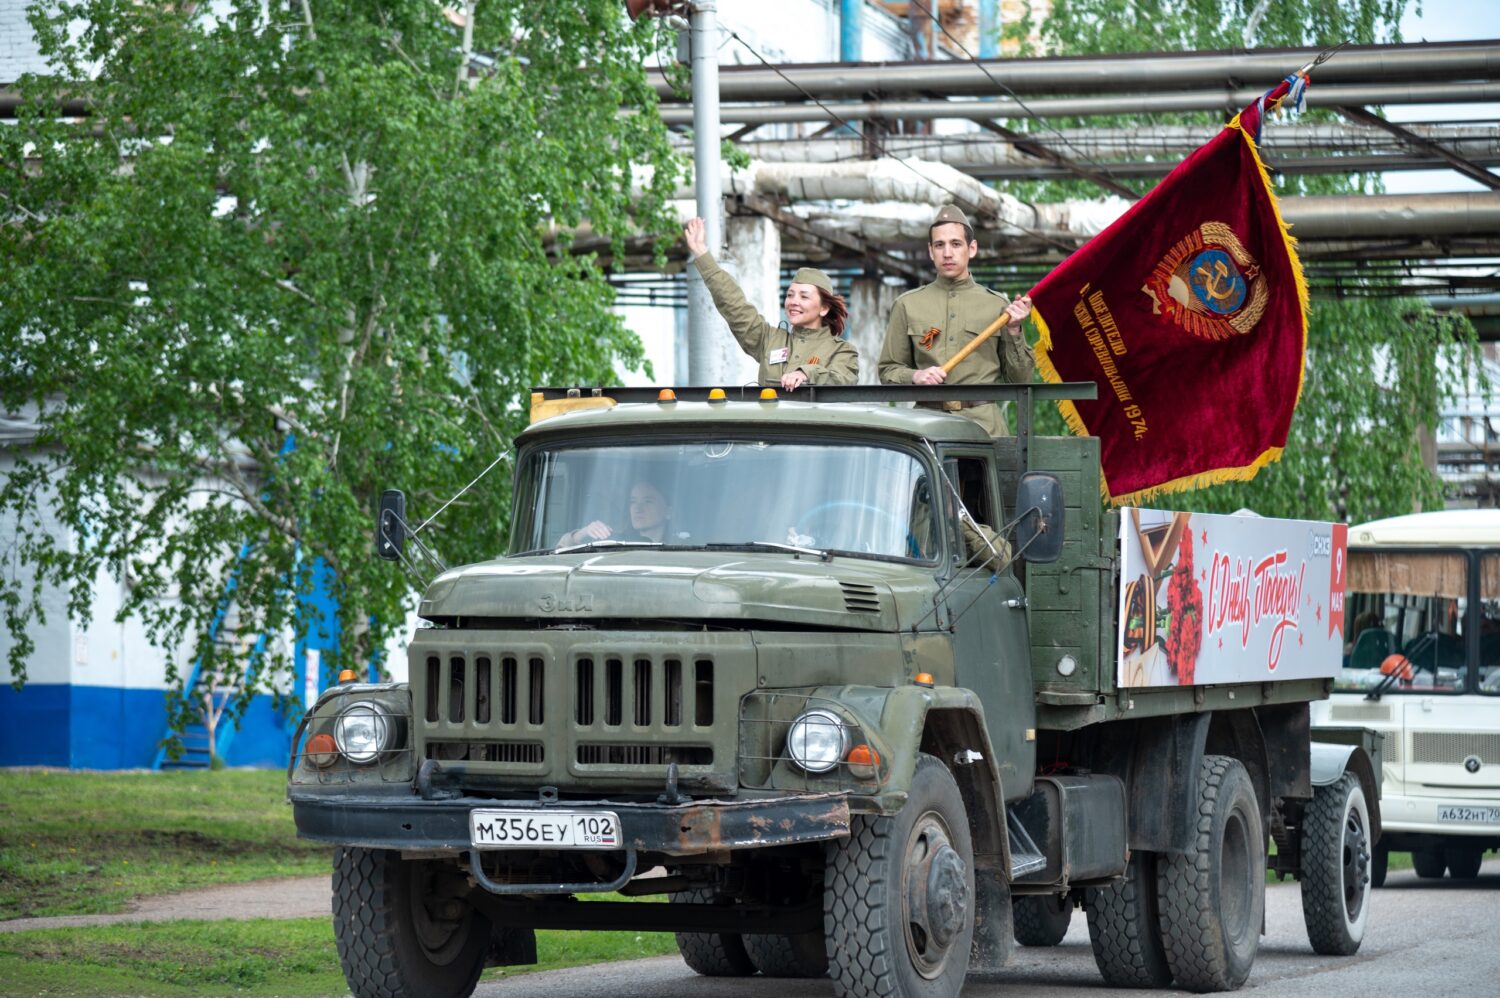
(292, 257)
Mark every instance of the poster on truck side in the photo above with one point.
(1208, 599)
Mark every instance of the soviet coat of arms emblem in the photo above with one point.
(1209, 284)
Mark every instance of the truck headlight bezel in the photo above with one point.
(817, 740)
(364, 731)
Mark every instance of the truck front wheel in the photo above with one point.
(1041, 919)
(898, 903)
(1212, 898)
(1335, 873)
(403, 928)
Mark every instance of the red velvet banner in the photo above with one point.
(1190, 312)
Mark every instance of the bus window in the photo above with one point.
(1406, 613)
(1489, 625)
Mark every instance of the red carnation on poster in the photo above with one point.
(1185, 605)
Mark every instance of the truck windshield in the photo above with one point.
(850, 498)
(1408, 618)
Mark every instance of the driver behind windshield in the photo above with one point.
(650, 521)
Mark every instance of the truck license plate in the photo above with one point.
(498, 828)
(1469, 815)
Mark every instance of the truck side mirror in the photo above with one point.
(390, 525)
(1039, 508)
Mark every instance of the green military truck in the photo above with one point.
(837, 678)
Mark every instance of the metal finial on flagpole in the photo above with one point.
(1323, 57)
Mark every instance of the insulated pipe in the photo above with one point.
(1393, 215)
(851, 30)
(703, 334)
(1143, 72)
(1005, 109)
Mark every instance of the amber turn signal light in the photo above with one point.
(347, 676)
(922, 679)
(321, 750)
(863, 762)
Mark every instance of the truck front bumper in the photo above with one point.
(692, 828)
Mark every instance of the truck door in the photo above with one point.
(988, 612)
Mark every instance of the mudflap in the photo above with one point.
(994, 932)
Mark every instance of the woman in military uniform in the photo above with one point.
(812, 351)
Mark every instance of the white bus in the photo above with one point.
(1422, 666)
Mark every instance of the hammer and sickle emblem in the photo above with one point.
(1215, 282)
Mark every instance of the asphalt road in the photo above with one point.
(1426, 939)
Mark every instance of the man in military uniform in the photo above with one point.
(934, 322)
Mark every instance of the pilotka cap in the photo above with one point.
(950, 213)
(813, 276)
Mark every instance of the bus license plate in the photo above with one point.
(1469, 815)
(498, 828)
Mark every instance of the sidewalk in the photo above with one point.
(292, 897)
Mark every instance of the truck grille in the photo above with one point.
(580, 715)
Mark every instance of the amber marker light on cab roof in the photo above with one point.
(666, 395)
(922, 679)
(863, 762)
(768, 395)
(716, 395)
(347, 676)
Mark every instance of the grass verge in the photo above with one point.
(78, 843)
(294, 958)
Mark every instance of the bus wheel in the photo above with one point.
(1212, 898)
(1463, 861)
(1430, 864)
(1335, 871)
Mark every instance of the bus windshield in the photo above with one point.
(1408, 619)
(851, 498)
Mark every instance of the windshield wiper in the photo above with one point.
(607, 543)
(771, 546)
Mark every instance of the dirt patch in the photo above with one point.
(291, 897)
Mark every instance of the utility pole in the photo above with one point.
(703, 353)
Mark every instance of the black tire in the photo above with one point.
(1335, 873)
(396, 936)
(898, 899)
(1123, 928)
(1041, 919)
(802, 955)
(1378, 864)
(1212, 899)
(1430, 864)
(1463, 861)
(712, 954)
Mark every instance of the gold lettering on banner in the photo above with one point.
(1106, 341)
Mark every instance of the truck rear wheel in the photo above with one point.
(801, 955)
(1213, 897)
(1041, 919)
(1335, 873)
(1463, 861)
(898, 900)
(402, 929)
(712, 954)
(1123, 928)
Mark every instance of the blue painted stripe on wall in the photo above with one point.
(109, 727)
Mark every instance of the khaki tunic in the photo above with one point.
(959, 311)
(823, 357)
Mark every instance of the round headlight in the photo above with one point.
(363, 731)
(817, 740)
